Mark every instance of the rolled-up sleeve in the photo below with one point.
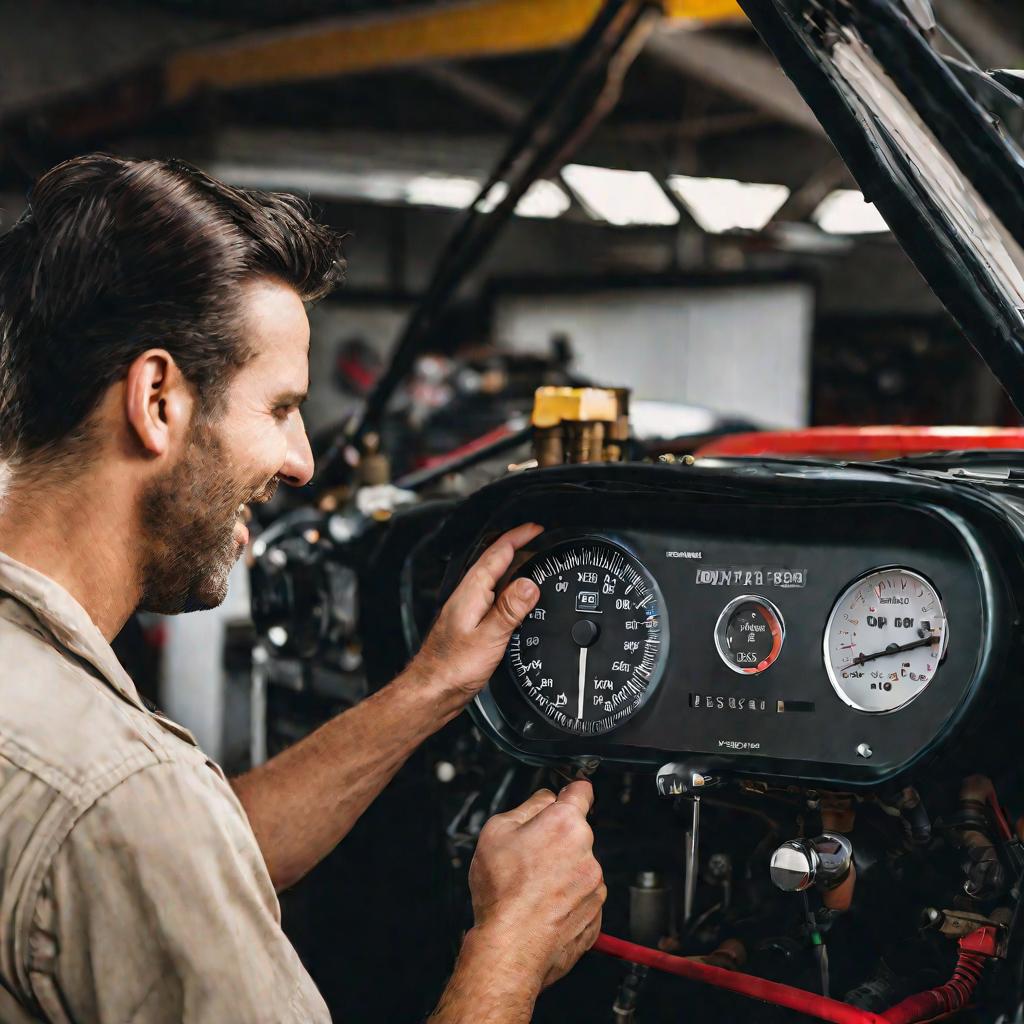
(157, 908)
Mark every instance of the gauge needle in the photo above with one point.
(893, 649)
(583, 679)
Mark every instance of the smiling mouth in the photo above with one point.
(261, 497)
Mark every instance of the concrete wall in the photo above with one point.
(742, 351)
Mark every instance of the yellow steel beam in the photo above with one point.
(472, 28)
(707, 12)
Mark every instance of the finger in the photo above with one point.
(589, 906)
(530, 808)
(494, 562)
(580, 794)
(514, 603)
(590, 933)
(473, 598)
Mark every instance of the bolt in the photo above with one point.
(863, 750)
(719, 867)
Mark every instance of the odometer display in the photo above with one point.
(591, 652)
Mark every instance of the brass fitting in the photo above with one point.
(579, 425)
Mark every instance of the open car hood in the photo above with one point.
(929, 138)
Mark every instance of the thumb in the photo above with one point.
(529, 808)
(514, 603)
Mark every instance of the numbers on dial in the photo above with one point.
(591, 652)
(885, 640)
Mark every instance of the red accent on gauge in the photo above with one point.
(749, 634)
(777, 636)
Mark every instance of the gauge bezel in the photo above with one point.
(826, 657)
(722, 623)
(557, 539)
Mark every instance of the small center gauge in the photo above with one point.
(749, 634)
(591, 652)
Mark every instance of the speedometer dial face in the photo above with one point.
(591, 652)
(885, 639)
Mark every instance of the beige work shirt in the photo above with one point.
(132, 890)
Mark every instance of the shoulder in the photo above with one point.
(64, 724)
(161, 872)
(68, 741)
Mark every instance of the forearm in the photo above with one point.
(488, 986)
(304, 801)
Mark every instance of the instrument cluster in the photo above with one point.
(756, 624)
(593, 651)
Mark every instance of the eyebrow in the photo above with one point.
(291, 398)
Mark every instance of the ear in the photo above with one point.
(158, 401)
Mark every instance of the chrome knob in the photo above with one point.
(824, 862)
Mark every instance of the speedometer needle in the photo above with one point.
(583, 679)
(893, 649)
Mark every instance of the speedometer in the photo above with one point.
(885, 639)
(592, 650)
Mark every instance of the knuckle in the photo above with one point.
(489, 830)
(563, 820)
(507, 609)
(592, 875)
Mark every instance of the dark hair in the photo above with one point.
(114, 256)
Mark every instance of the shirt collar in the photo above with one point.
(70, 625)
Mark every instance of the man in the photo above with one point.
(153, 358)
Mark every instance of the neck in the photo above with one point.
(75, 534)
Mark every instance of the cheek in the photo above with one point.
(271, 453)
(258, 453)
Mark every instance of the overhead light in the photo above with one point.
(620, 197)
(437, 190)
(847, 212)
(723, 204)
(542, 199)
(386, 187)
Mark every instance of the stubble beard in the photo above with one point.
(188, 521)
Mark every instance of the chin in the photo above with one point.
(209, 594)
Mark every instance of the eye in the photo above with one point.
(282, 412)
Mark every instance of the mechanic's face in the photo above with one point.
(193, 516)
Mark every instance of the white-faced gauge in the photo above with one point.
(591, 652)
(885, 640)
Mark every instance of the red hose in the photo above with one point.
(974, 950)
(1001, 823)
(742, 984)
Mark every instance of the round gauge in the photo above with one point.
(885, 639)
(749, 635)
(592, 650)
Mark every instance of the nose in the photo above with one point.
(297, 469)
